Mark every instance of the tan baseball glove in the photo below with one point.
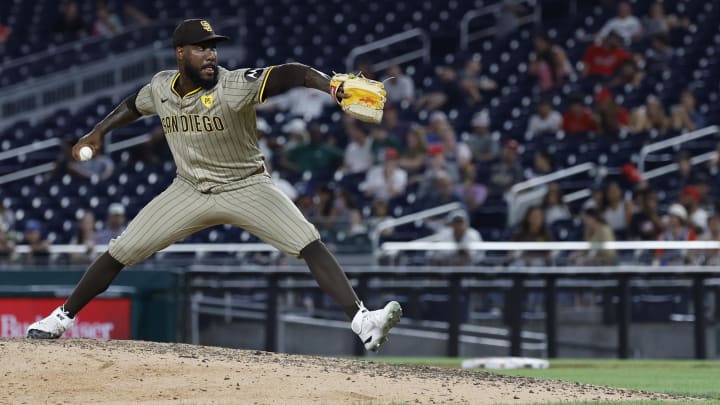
(366, 97)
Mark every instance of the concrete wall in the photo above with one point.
(596, 340)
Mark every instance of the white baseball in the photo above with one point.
(86, 153)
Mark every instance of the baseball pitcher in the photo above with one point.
(208, 116)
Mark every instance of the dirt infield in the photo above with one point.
(83, 371)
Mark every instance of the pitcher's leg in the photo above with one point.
(96, 279)
(330, 277)
(265, 211)
(174, 214)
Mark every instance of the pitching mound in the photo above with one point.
(128, 372)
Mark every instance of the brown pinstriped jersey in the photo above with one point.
(211, 133)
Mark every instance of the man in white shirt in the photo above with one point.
(387, 180)
(302, 102)
(460, 232)
(624, 24)
(400, 87)
(358, 153)
(545, 120)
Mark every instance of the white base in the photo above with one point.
(505, 363)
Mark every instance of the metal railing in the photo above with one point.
(531, 192)
(50, 166)
(492, 10)
(407, 219)
(680, 139)
(618, 282)
(650, 174)
(33, 147)
(415, 33)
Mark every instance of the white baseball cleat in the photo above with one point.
(373, 326)
(52, 326)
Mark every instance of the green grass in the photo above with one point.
(680, 377)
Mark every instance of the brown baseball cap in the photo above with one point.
(194, 31)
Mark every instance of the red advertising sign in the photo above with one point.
(100, 319)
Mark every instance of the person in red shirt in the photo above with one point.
(604, 59)
(611, 117)
(577, 118)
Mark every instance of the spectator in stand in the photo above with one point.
(295, 135)
(597, 198)
(676, 229)
(471, 193)
(441, 192)
(691, 199)
(711, 257)
(646, 224)
(84, 235)
(437, 164)
(484, 147)
(553, 206)
(617, 211)
(611, 117)
(263, 130)
(70, 23)
(657, 22)
(596, 230)
(628, 77)
(378, 213)
(114, 225)
(457, 153)
(107, 22)
(398, 85)
(4, 35)
(318, 157)
(358, 153)
(545, 120)
(507, 171)
(533, 228)
(625, 24)
(650, 117)
(7, 244)
(437, 121)
(381, 141)
(549, 64)
(660, 56)
(344, 216)
(542, 164)
(445, 90)
(603, 60)
(387, 180)
(685, 116)
(313, 202)
(39, 253)
(459, 232)
(577, 118)
(397, 128)
(7, 218)
(473, 83)
(302, 102)
(687, 174)
(414, 154)
(135, 16)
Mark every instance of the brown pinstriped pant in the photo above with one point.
(254, 204)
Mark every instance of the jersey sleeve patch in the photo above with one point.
(252, 75)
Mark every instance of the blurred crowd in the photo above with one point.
(347, 178)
